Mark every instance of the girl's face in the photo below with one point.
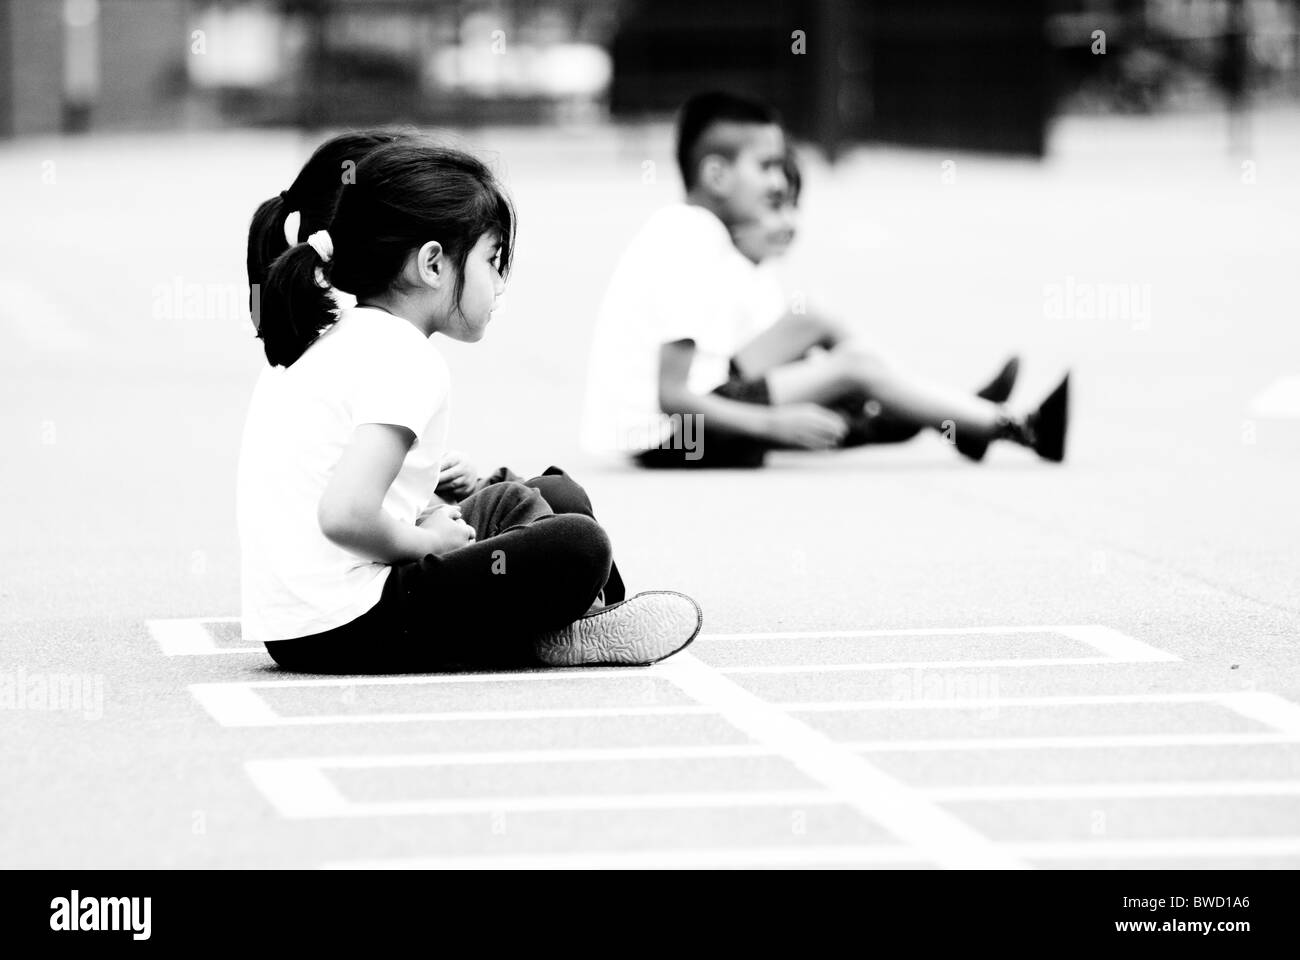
(482, 285)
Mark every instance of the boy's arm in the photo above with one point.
(675, 396)
(805, 425)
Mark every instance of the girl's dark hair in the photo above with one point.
(405, 194)
(314, 193)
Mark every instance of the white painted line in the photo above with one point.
(825, 856)
(1120, 647)
(238, 705)
(299, 787)
(1266, 708)
(297, 790)
(1189, 848)
(969, 703)
(191, 638)
(652, 859)
(499, 757)
(1280, 399)
(917, 665)
(234, 705)
(929, 829)
(1116, 791)
(187, 637)
(1118, 741)
(867, 634)
(549, 675)
(300, 799)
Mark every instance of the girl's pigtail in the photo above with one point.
(296, 304)
(266, 240)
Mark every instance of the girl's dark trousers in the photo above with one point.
(538, 563)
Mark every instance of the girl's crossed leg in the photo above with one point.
(530, 571)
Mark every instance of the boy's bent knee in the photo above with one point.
(859, 363)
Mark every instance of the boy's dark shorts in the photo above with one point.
(716, 449)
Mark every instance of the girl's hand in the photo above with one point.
(457, 477)
(449, 531)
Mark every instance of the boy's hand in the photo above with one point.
(457, 477)
(449, 531)
(807, 425)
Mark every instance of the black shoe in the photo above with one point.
(1046, 426)
(1000, 387)
(971, 447)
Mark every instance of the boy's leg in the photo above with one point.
(788, 339)
(849, 371)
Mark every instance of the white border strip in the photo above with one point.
(842, 856)
(189, 638)
(1266, 708)
(929, 829)
(238, 705)
(1119, 647)
(1115, 791)
(1116, 741)
(905, 632)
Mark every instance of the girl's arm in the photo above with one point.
(351, 512)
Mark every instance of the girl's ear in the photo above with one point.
(430, 264)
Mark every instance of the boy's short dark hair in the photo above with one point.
(701, 112)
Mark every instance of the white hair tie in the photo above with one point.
(292, 224)
(320, 242)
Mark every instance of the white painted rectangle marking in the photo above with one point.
(1212, 848)
(1267, 708)
(941, 836)
(191, 638)
(1116, 741)
(1116, 791)
(237, 704)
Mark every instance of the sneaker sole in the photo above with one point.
(639, 631)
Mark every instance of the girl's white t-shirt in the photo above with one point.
(369, 367)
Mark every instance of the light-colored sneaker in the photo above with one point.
(640, 630)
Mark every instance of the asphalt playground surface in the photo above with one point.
(907, 660)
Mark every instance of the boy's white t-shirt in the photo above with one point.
(681, 278)
(369, 367)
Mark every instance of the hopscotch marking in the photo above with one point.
(190, 638)
(180, 636)
(943, 837)
(299, 788)
(1190, 848)
(1116, 741)
(238, 705)
(1115, 791)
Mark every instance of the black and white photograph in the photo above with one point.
(631, 435)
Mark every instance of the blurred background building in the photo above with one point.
(973, 74)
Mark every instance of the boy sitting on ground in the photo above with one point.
(695, 363)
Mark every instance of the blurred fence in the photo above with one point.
(981, 74)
